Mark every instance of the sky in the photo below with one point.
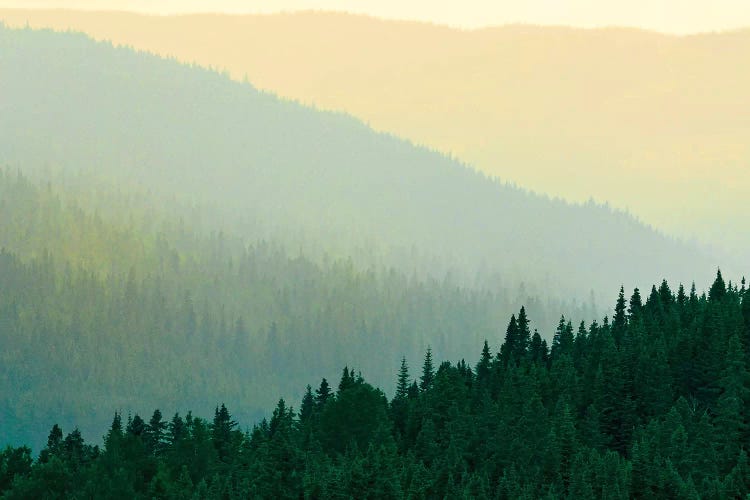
(669, 16)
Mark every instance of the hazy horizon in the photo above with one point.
(669, 17)
(635, 119)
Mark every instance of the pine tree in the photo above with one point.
(731, 421)
(223, 434)
(402, 383)
(538, 349)
(484, 364)
(347, 380)
(681, 297)
(322, 394)
(54, 444)
(719, 289)
(746, 320)
(176, 431)
(308, 405)
(524, 335)
(399, 405)
(156, 430)
(136, 426)
(15, 464)
(113, 439)
(636, 304)
(428, 371)
(620, 319)
(562, 342)
(509, 347)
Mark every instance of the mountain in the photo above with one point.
(648, 122)
(319, 180)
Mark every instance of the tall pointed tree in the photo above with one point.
(402, 383)
(509, 347)
(428, 371)
(322, 394)
(524, 335)
(620, 319)
(719, 289)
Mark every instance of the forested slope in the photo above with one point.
(652, 404)
(640, 119)
(326, 180)
(133, 309)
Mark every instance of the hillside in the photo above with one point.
(647, 122)
(316, 179)
(102, 311)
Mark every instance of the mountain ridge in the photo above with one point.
(189, 131)
(641, 120)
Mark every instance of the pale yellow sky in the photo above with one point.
(671, 16)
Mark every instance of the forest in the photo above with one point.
(652, 402)
(181, 254)
(111, 300)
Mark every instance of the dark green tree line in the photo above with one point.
(607, 412)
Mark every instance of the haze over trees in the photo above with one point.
(648, 122)
(318, 180)
(652, 404)
(173, 239)
(126, 307)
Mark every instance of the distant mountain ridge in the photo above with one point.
(644, 121)
(69, 103)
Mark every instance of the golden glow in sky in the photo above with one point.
(672, 16)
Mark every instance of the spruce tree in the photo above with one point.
(524, 335)
(719, 289)
(322, 394)
(347, 380)
(636, 304)
(223, 434)
(620, 319)
(484, 365)
(402, 383)
(156, 430)
(731, 420)
(428, 371)
(563, 340)
(509, 347)
(307, 406)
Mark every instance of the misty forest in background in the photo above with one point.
(652, 403)
(323, 181)
(130, 308)
(172, 239)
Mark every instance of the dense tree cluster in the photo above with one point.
(652, 403)
(132, 309)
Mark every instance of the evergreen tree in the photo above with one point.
(156, 433)
(322, 394)
(485, 364)
(562, 342)
(512, 340)
(636, 304)
(731, 420)
(719, 289)
(428, 372)
(524, 335)
(620, 319)
(308, 405)
(223, 434)
(402, 384)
